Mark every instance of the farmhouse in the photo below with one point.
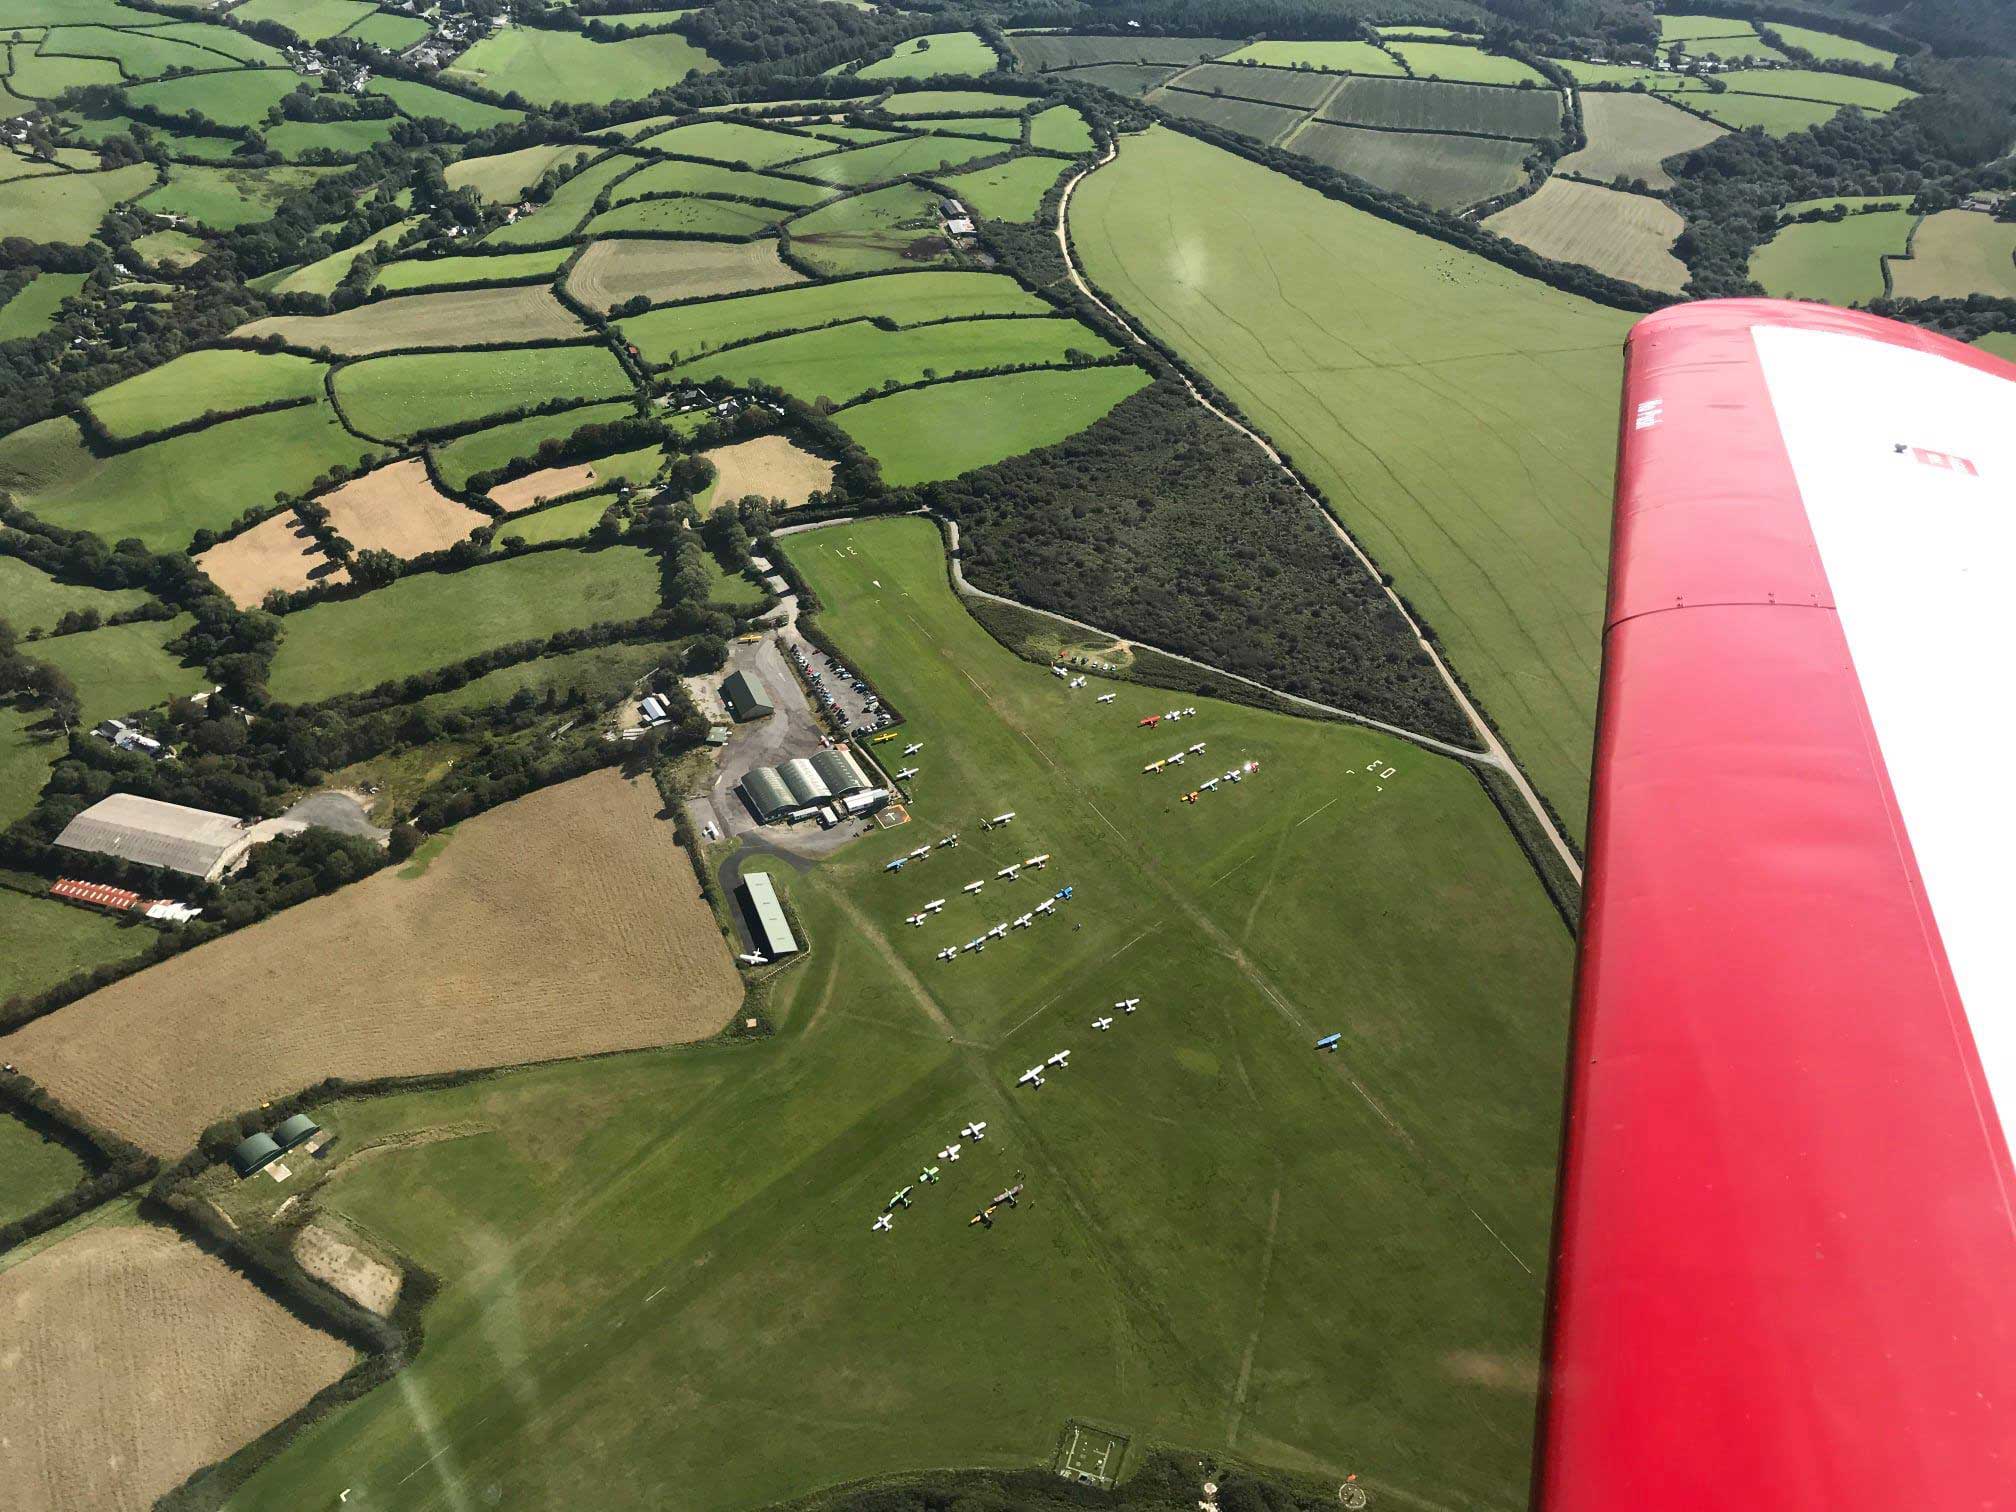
(152, 833)
(766, 916)
(745, 697)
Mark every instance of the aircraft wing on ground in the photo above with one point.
(1785, 1270)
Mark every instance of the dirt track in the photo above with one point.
(567, 923)
(131, 1358)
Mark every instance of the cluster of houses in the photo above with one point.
(452, 35)
(311, 64)
(685, 398)
(130, 737)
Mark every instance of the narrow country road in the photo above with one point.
(1494, 753)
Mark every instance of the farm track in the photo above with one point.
(1494, 753)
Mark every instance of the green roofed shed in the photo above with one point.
(254, 1154)
(773, 930)
(745, 697)
(294, 1130)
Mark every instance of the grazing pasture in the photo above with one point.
(1631, 136)
(278, 552)
(771, 466)
(295, 139)
(1040, 52)
(1628, 236)
(483, 450)
(424, 100)
(218, 378)
(30, 599)
(139, 54)
(551, 67)
(395, 508)
(947, 429)
(686, 217)
(502, 267)
(598, 673)
(1829, 88)
(34, 1168)
(589, 860)
(455, 317)
(1452, 60)
(1060, 129)
(886, 228)
(1264, 123)
(310, 20)
(241, 98)
(1410, 105)
(430, 619)
(225, 198)
(677, 176)
(947, 102)
(555, 220)
(397, 396)
(612, 272)
(1011, 191)
(33, 309)
(1740, 44)
(1957, 253)
(149, 1359)
(1448, 172)
(667, 336)
(502, 177)
(563, 522)
(1838, 261)
(165, 492)
(122, 668)
(919, 154)
(1361, 348)
(40, 76)
(1001, 128)
(1775, 117)
(393, 33)
(222, 39)
(43, 942)
(1277, 86)
(1833, 49)
(324, 274)
(67, 207)
(1324, 57)
(735, 143)
(959, 52)
(1625, 76)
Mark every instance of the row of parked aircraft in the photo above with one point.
(1033, 1077)
(975, 1132)
(1231, 774)
(1172, 715)
(1023, 921)
(1176, 760)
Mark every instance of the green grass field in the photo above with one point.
(556, 219)
(598, 673)
(32, 310)
(396, 396)
(311, 20)
(43, 942)
(1364, 351)
(1631, 135)
(39, 76)
(559, 67)
(1774, 116)
(665, 336)
(677, 176)
(164, 493)
(1847, 201)
(894, 227)
(923, 434)
(350, 138)
(691, 217)
(951, 101)
(227, 198)
(222, 39)
(1838, 261)
(1225, 1239)
(122, 668)
(1060, 129)
(1001, 128)
(219, 378)
(1012, 190)
(844, 362)
(503, 176)
(432, 272)
(919, 154)
(1835, 49)
(28, 750)
(563, 522)
(68, 207)
(1626, 76)
(736, 143)
(1302, 88)
(1470, 65)
(32, 600)
(1330, 57)
(139, 54)
(34, 1169)
(324, 274)
(960, 52)
(2001, 343)
(433, 618)
(423, 100)
(229, 99)
(480, 451)
(1743, 45)
(393, 33)
(1805, 84)
(1448, 172)
(1957, 253)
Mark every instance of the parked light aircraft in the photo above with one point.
(998, 820)
(1046, 905)
(950, 1152)
(1033, 1077)
(898, 864)
(920, 853)
(948, 840)
(1007, 1197)
(1128, 1005)
(901, 1199)
(934, 906)
(886, 1222)
(948, 952)
(906, 774)
(913, 748)
(975, 1131)
(1208, 784)
(1103, 1023)
(973, 887)
(978, 942)
(1077, 682)
(1153, 766)
(1024, 921)
(752, 958)
(1150, 722)
(1038, 862)
(1108, 697)
(1008, 872)
(928, 1175)
(1061, 1058)
(916, 918)
(1195, 749)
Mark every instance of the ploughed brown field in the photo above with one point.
(276, 553)
(131, 1359)
(567, 923)
(771, 466)
(398, 509)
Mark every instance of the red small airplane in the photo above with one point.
(1150, 722)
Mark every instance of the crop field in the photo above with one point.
(324, 274)
(397, 396)
(121, 668)
(677, 176)
(1277, 86)
(947, 429)
(42, 942)
(1040, 54)
(165, 492)
(590, 859)
(279, 552)
(230, 99)
(636, 466)
(848, 361)
(1805, 84)
(1957, 253)
(226, 198)
(503, 176)
(946, 102)
(896, 227)
(1776, 117)
(500, 444)
(456, 317)
(1339, 333)
(1838, 261)
(1264, 123)
(424, 100)
(34, 1169)
(959, 52)
(920, 154)
(1011, 191)
(613, 272)
(1447, 172)
(173, 1362)
(1631, 135)
(1060, 129)
(34, 600)
(397, 509)
(68, 207)
(1410, 105)
(555, 220)
(1628, 236)
(1826, 45)
(311, 20)
(559, 67)
(195, 383)
(736, 143)
(431, 619)
(691, 217)
(32, 310)
(430, 272)
(1422, 1345)
(771, 466)
(1325, 57)
(1453, 60)
(1126, 78)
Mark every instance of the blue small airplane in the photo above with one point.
(1329, 1042)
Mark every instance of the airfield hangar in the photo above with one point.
(148, 832)
(254, 1154)
(803, 784)
(766, 915)
(745, 697)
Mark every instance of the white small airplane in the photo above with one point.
(913, 748)
(934, 906)
(973, 887)
(948, 952)
(1128, 1005)
(1108, 697)
(928, 1175)
(1008, 873)
(975, 1131)
(752, 958)
(915, 919)
(898, 864)
(1046, 905)
(948, 840)
(1024, 922)
(1077, 682)
(1177, 759)
(1061, 1058)
(1103, 1023)
(902, 1199)
(906, 774)
(1153, 766)
(1173, 714)
(999, 819)
(886, 1222)
(1059, 672)
(1208, 784)
(998, 931)
(1235, 776)
(978, 942)
(1038, 862)
(1196, 748)
(920, 853)
(950, 1152)
(1033, 1077)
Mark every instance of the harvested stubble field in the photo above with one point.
(459, 317)
(771, 466)
(1418, 105)
(611, 272)
(637, 466)
(133, 1359)
(275, 553)
(1956, 253)
(462, 969)
(398, 509)
(1628, 236)
(1631, 134)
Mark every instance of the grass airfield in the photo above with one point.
(660, 1286)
